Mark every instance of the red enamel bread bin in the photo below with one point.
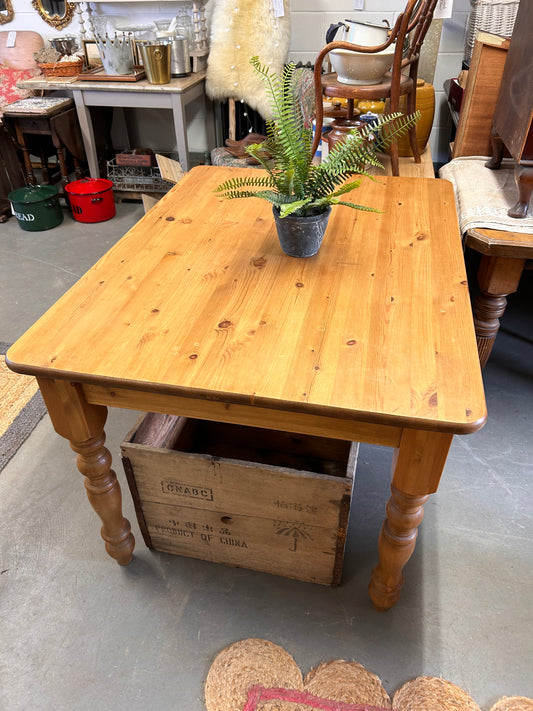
(91, 199)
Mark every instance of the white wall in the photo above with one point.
(309, 20)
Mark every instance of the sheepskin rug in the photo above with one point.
(239, 30)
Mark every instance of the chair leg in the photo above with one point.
(411, 108)
(395, 163)
(414, 145)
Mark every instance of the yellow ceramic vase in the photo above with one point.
(375, 107)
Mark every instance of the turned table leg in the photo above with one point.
(416, 471)
(30, 175)
(497, 278)
(83, 425)
(61, 156)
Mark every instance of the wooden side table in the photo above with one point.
(47, 117)
(504, 257)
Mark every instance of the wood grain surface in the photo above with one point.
(199, 301)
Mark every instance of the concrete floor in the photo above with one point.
(79, 632)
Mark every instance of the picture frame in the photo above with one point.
(137, 60)
(91, 54)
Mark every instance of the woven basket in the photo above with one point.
(61, 69)
(494, 16)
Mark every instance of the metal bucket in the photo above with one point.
(65, 45)
(156, 56)
(180, 65)
(91, 199)
(36, 207)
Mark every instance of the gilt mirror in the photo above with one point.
(57, 13)
(6, 11)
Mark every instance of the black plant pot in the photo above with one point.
(301, 236)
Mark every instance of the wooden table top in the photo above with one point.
(198, 300)
(177, 85)
(499, 243)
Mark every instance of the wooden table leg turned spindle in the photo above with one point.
(83, 425)
(417, 468)
(497, 277)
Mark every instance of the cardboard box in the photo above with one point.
(242, 496)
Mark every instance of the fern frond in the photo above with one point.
(365, 208)
(347, 187)
(391, 130)
(232, 194)
(257, 151)
(274, 197)
(292, 207)
(258, 181)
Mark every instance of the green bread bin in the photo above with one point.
(36, 207)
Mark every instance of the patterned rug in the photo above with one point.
(21, 408)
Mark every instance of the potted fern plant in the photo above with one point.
(300, 191)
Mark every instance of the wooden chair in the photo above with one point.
(409, 30)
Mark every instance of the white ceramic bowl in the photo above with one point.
(359, 68)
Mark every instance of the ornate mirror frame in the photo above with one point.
(56, 21)
(8, 9)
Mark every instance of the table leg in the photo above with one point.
(497, 278)
(44, 166)
(210, 125)
(83, 425)
(60, 150)
(87, 134)
(180, 129)
(30, 176)
(416, 471)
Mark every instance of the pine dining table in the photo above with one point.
(196, 311)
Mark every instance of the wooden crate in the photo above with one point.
(242, 496)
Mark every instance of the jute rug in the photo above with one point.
(21, 408)
(258, 675)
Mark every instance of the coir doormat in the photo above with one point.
(21, 408)
(258, 675)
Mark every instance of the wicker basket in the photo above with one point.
(61, 69)
(494, 16)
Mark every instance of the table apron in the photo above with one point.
(256, 416)
(138, 99)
